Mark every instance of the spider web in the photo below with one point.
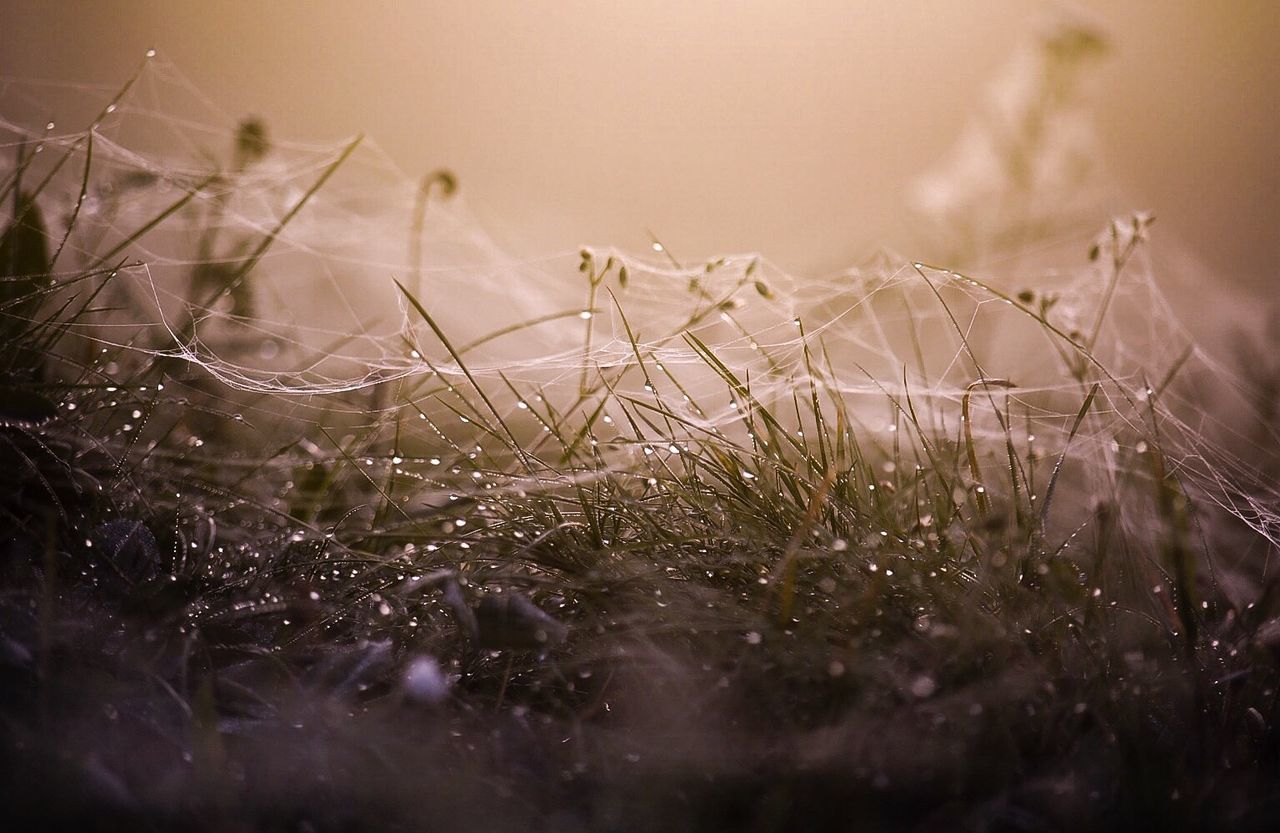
(233, 266)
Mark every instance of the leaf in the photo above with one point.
(510, 621)
(24, 253)
(128, 548)
(20, 408)
(1057, 468)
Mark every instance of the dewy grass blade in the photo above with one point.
(1057, 468)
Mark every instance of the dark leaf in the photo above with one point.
(20, 408)
(129, 549)
(509, 620)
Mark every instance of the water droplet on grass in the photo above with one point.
(424, 682)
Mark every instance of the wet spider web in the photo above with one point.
(322, 287)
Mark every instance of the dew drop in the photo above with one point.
(424, 682)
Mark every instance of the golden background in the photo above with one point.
(790, 128)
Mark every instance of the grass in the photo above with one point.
(704, 576)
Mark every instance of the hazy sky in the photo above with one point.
(788, 127)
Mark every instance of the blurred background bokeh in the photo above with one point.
(794, 129)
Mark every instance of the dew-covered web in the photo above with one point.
(258, 278)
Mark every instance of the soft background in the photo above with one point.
(790, 128)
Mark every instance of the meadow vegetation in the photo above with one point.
(920, 550)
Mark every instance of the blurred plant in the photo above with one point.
(1025, 167)
(24, 275)
(215, 273)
